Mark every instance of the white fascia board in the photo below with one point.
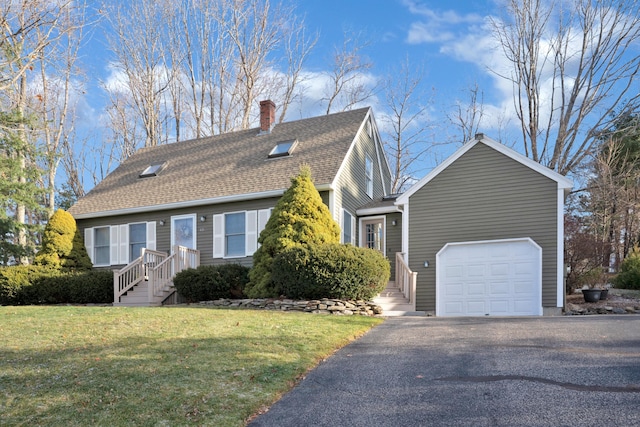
(343, 165)
(185, 204)
(378, 143)
(380, 210)
(560, 250)
(563, 182)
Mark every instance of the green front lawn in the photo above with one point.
(111, 366)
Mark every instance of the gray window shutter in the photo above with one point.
(218, 236)
(151, 235)
(251, 232)
(88, 242)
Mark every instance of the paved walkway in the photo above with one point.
(416, 371)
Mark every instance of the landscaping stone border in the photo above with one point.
(322, 306)
(576, 310)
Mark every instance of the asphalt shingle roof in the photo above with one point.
(226, 165)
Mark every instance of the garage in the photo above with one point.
(489, 278)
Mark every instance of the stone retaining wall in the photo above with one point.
(323, 306)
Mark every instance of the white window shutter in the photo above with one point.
(124, 244)
(218, 236)
(263, 218)
(353, 230)
(341, 224)
(151, 235)
(251, 232)
(113, 241)
(88, 242)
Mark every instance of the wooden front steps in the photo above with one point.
(394, 303)
(139, 297)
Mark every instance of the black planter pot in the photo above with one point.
(591, 295)
(604, 293)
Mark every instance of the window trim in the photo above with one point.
(129, 237)
(368, 175)
(194, 232)
(224, 222)
(352, 225)
(95, 246)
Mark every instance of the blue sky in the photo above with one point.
(449, 40)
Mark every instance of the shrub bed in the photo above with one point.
(330, 271)
(21, 285)
(209, 282)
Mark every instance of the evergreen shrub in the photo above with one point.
(331, 271)
(45, 285)
(629, 275)
(16, 283)
(210, 282)
(62, 245)
(299, 218)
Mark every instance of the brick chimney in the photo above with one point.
(267, 115)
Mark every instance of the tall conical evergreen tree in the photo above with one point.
(299, 218)
(62, 244)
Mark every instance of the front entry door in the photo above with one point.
(373, 234)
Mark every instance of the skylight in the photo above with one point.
(152, 170)
(284, 148)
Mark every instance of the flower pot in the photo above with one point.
(604, 293)
(591, 295)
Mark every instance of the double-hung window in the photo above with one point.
(101, 246)
(368, 176)
(234, 234)
(137, 239)
(348, 228)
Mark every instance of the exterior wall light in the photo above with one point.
(203, 218)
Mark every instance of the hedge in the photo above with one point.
(31, 284)
(210, 282)
(330, 271)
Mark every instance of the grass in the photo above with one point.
(66, 365)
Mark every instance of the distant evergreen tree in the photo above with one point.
(62, 245)
(19, 178)
(299, 218)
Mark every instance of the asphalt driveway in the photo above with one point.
(417, 371)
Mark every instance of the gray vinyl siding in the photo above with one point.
(483, 195)
(204, 230)
(351, 192)
(394, 239)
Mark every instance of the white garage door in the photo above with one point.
(489, 278)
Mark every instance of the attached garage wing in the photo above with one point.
(489, 278)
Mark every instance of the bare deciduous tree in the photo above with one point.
(139, 46)
(573, 63)
(408, 123)
(33, 31)
(346, 85)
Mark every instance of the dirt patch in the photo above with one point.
(619, 301)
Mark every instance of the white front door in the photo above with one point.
(183, 231)
(373, 234)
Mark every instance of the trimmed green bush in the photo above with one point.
(16, 283)
(236, 277)
(629, 276)
(62, 245)
(209, 282)
(330, 271)
(21, 285)
(86, 287)
(299, 218)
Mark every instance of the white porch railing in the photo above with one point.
(405, 278)
(156, 267)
